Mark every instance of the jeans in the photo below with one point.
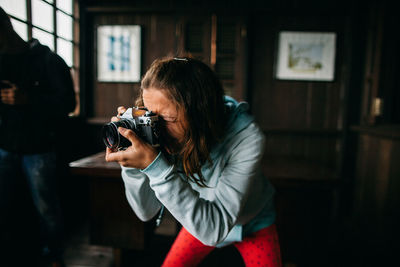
(40, 172)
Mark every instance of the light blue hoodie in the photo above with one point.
(238, 199)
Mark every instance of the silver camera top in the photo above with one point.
(127, 114)
(141, 116)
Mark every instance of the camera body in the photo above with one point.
(143, 122)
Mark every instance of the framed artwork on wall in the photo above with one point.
(306, 56)
(118, 53)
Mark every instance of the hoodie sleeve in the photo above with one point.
(139, 194)
(211, 221)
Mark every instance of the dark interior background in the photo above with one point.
(331, 158)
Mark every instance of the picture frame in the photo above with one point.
(119, 53)
(308, 56)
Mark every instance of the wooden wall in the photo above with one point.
(376, 207)
(311, 152)
(375, 215)
(302, 119)
(157, 42)
(167, 34)
(306, 124)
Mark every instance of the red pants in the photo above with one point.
(259, 249)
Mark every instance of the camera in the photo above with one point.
(138, 119)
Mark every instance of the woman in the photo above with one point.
(207, 173)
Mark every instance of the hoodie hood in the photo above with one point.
(238, 116)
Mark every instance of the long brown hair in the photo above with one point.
(196, 90)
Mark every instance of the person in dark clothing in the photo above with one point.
(36, 97)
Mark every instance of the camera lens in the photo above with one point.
(110, 135)
(112, 138)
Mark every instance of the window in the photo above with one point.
(54, 23)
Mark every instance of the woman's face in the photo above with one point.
(158, 101)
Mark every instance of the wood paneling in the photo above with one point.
(156, 42)
(302, 119)
(294, 104)
(306, 123)
(322, 148)
(376, 216)
(171, 35)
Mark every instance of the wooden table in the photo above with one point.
(95, 165)
(112, 221)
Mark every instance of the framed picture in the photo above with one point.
(306, 56)
(118, 53)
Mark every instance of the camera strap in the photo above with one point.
(160, 215)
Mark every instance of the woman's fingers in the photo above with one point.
(120, 156)
(110, 155)
(117, 156)
(128, 134)
(121, 110)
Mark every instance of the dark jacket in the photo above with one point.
(46, 78)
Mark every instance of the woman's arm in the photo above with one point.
(137, 189)
(139, 194)
(211, 221)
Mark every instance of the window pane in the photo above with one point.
(20, 28)
(65, 5)
(44, 38)
(64, 25)
(64, 49)
(16, 8)
(42, 15)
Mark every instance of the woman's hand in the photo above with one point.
(139, 155)
(121, 110)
